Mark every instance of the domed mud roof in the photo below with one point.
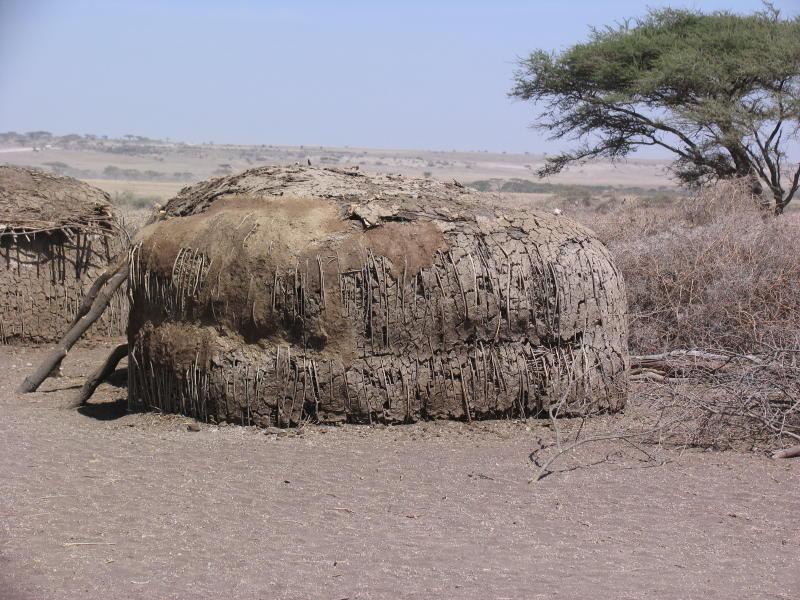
(367, 297)
(381, 196)
(32, 201)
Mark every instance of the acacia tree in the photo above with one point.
(720, 91)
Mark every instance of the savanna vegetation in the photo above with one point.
(720, 92)
(711, 277)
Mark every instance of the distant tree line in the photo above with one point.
(113, 172)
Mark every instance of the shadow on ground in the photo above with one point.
(112, 408)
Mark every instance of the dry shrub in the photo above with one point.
(714, 272)
(717, 273)
(726, 198)
(745, 402)
(720, 276)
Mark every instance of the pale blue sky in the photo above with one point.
(410, 74)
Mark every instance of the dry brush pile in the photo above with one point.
(715, 327)
(715, 315)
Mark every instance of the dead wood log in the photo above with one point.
(99, 376)
(53, 360)
(650, 376)
(680, 361)
(645, 358)
(683, 363)
(792, 452)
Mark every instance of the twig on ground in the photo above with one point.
(624, 435)
(89, 544)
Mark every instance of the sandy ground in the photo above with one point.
(104, 504)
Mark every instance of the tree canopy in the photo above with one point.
(720, 91)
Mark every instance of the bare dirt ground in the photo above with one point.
(104, 504)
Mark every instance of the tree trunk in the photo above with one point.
(100, 375)
(779, 202)
(53, 360)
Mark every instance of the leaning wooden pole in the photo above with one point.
(53, 360)
(91, 295)
(94, 380)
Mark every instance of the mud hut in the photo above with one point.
(286, 293)
(56, 235)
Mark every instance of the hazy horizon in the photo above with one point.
(429, 76)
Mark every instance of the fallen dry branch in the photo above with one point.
(683, 363)
(704, 399)
(53, 360)
(544, 470)
(743, 399)
(792, 452)
(100, 375)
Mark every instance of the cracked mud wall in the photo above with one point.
(43, 279)
(379, 300)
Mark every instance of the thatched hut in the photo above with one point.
(56, 235)
(285, 293)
